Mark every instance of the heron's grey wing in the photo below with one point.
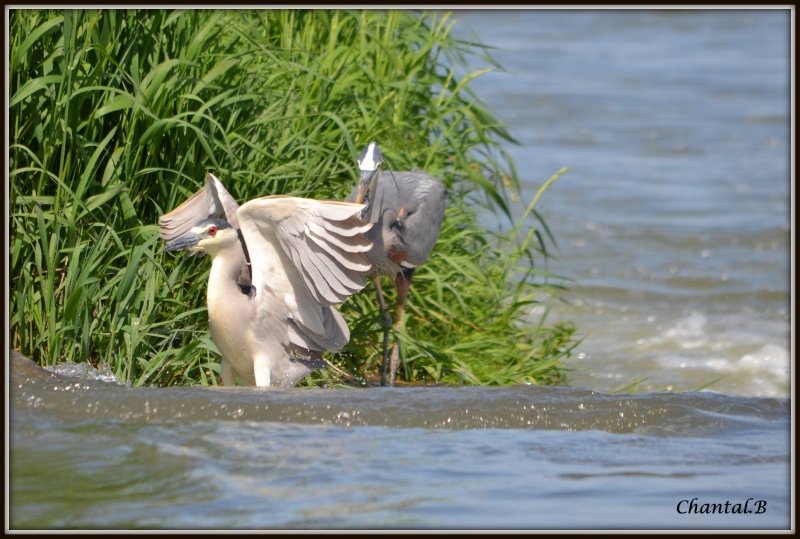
(311, 254)
(420, 212)
(213, 200)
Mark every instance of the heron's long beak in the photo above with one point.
(187, 241)
(364, 184)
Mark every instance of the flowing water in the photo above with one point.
(674, 217)
(673, 221)
(89, 454)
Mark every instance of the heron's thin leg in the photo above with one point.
(387, 324)
(403, 284)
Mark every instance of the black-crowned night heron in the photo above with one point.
(279, 264)
(406, 209)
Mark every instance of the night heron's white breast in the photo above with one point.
(229, 315)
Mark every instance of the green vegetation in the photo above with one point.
(116, 115)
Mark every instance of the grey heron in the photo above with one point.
(279, 265)
(407, 210)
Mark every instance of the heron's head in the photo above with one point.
(207, 236)
(368, 163)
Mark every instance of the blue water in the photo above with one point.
(202, 475)
(673, 221)
(95, 455)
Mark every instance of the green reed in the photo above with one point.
(116, 115)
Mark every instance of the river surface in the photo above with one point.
(674, 218)
(88, 454)
(673, 222)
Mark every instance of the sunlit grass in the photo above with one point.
(116, 115)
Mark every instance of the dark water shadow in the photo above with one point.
(64, 398)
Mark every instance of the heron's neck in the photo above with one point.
(226, 266)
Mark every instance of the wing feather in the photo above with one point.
(350, 269)
(336, 333)
(342, 255)
(339, 278)
(213, 200)
(348, 227)
(316, 282)
(310, 253)
(328, 235)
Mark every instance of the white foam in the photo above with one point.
(728, 346)
(86, 371)
(770, 358)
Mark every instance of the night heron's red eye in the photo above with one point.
(212, 231)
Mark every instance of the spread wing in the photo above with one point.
(213, 200)
(311, 254)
